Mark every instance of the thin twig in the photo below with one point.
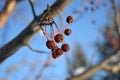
(35, 50)
(32, 8)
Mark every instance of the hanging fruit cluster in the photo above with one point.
(57, 38)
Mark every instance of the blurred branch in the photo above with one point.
(93, 70)
(24, 37)
(117, 14)
(43, 68)
(115, 6)
(69, 65)
(113, 68)
(7, 11)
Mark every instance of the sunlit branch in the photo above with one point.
(88, 73)
(7, 11)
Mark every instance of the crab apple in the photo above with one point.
(92, 2)
(54, 48)
(67, 32)
(65, 47)
(59, 38)
(54, 55)
(59, 51)
(92, 9)
(69, 19)
(50, 44)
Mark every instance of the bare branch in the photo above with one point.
(33, 11)
(94, 69)
(7, 11)
(10, 48)
(35, 50)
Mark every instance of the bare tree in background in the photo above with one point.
(109, 61)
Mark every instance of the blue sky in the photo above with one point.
(83, 32)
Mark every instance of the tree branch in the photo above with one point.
(24, 37)
(113, 68)
(117, 15)
(94, 69)
(7, 11)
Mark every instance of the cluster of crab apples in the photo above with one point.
(59, 38)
